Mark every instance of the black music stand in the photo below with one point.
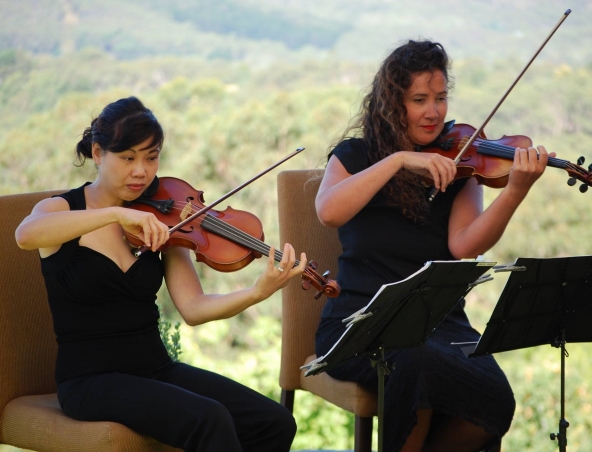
(544, 302)
(401, 315)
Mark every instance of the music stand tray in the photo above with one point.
(401, 315)
(544, 302)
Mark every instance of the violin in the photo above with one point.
(226, 240)
(501, 150)
(490, 161)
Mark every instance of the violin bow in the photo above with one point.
(434, 191)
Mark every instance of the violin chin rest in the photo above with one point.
(151, 190)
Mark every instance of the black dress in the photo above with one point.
(381, 246)
(113, 366)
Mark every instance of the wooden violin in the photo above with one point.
(225, 240)
(488, 155)
(490, 161)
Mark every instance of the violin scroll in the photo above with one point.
(576, 173)
(310, 277)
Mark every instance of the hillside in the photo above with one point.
(262, 30)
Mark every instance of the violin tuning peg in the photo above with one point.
(326, 274)
(590, 167)
(581, 160)
(571, 181)
(583, 188)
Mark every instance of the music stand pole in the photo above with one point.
(377, 360)
(561, 437)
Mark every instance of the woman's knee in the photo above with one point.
(274, 431)
(281, 420)
(286, 423)
(456, 434)
(207, 428)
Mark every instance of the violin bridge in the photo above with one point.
(463, 141)
(187, 210)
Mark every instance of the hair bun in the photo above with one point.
(84, 146)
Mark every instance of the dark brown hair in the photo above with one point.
(121, 125)
(382, 118)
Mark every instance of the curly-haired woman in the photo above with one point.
(374, 192)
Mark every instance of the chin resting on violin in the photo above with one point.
(374, 191)
(111, 362)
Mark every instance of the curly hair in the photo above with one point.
(382, 118)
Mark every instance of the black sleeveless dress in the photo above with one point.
(381, 246)
(105, 319)
(113, 366)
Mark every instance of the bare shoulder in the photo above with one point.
(28, 232)
(50, 205)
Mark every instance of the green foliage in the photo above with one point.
(170, 339)
(227, 121)
(264, 30)
(250, 87)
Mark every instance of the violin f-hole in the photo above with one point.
(184, 231)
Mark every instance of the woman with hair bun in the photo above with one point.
(112, 364)
(374, 192)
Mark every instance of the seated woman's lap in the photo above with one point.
(182, 406)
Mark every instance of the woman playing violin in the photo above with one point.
(374, 192)
(112, 364)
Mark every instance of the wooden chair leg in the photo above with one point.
(287, 399)
(363, 434)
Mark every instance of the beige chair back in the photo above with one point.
(300, 226)
(27, 342)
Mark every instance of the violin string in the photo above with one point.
(579, 170)
(242, 237)
(226, 230)
(230, 232)
(236, 235)
(506, 151)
